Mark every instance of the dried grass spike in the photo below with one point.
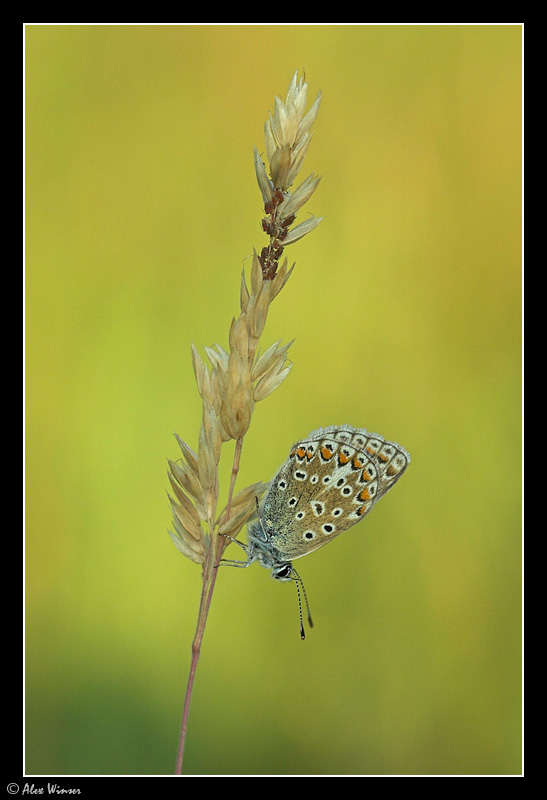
(264, 182)
(300, 196)
(189, 456)
(196, 554)
(187, 521)
(301, 230)
(270, 383)
(202, 376)
(280, 279)
(188, 480)
(183, 500)
(243, 293)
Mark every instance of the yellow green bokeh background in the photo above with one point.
(405, 305)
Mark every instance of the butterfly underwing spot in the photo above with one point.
(328, 528)
(364, 495)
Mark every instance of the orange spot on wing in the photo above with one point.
(343, 458)
(364, 495)
(356, 463)
(326, 453)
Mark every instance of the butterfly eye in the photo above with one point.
(282, 573)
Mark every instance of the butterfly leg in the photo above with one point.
(236, 541)
(228, 562)
(231, 562)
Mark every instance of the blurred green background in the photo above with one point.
(141, 210)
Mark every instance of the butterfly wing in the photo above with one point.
(331, 480)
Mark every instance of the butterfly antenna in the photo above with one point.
(299, 582)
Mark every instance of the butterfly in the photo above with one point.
(331, 480)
